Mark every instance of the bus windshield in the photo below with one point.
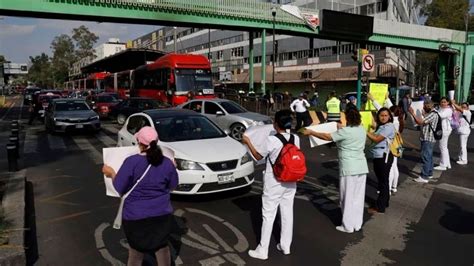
(193, 80)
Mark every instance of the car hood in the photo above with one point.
(207, 150)
(253, 116)
(76, 114)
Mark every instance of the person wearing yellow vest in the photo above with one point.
(333, 106)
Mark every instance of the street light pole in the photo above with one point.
(274, 54)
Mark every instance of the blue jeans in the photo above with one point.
(427, 159)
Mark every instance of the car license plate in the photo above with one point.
(79, 126)
(208, 91)
(225, 178)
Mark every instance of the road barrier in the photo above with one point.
(12, 154)
(2, 100)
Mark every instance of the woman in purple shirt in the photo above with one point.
(147, 211)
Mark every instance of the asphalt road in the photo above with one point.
(70, 215)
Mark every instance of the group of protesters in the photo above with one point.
(147, 229)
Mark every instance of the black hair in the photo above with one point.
(154, 155)
(353, 118)
(383, 109)
(283, 119)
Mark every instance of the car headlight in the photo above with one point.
(187, 165)
(257, 123)
(245, 159)
(59, 119)
(95, 117)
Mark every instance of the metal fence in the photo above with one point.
(259, 104)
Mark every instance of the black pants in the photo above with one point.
(33, 115)
(382, 171)
(301, 120)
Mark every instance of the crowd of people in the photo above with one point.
(147, 207)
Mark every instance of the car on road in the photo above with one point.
(134, 105)
(228, 115)
(207, 159)
(43, 101)
(102, 103)
(65, 115)
(28, 94)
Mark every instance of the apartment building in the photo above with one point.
(299, 61)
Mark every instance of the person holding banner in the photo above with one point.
(382, 157)
(464, 130)
(445, 111)
(399, 124)
(147, 211)
(353, 169)
(276, 194)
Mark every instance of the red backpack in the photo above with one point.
(290, 165)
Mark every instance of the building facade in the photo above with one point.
(300, 61)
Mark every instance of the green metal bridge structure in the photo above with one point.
(453, 47)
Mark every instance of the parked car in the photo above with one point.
(102, 103)
(134, 105)
(207, 159)
(227, 114)
(70, 114)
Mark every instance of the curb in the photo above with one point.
(13, 206)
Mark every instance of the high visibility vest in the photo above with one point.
(333, 105)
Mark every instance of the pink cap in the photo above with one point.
(146, 135)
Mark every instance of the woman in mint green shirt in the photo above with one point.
(350, 141)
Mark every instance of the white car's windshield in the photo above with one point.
(184, 128)
(232, 107)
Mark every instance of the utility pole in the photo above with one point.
(174, 38)
(209, 43)
(274, 52)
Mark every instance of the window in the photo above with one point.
(135, 123)
(220, 55)
(237, 52)
(211, 108)
(195, 106)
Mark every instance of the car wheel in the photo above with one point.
(237, 130)
(121, 118)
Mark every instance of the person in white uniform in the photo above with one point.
(464, 129)
(275, 194)
(350, 141)
(446, 113)
(300, 107)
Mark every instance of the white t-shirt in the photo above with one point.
(271, 148)
(299, 106)
(465, 127)
(446, 115)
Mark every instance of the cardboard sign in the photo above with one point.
(367, 118)
(378, 91)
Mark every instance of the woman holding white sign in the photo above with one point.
(445, 111)
(464, 129)
(350, 141)
(146, 179)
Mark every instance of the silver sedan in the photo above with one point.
(228, 115)
(70, 114)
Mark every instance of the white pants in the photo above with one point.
(443, 148)
(463, 152)
(393, 176)
(277, 195)
(352, 194)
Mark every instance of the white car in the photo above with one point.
(207, 159)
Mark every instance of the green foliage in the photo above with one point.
(63, 57)
(40, 71)
(2, 59)
(84, 41)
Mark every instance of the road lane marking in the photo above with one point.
(59, 195)
(112, 129)
(65, 217)
(99, 242)
(30, 144)
(107, 140)
(85, 145)
(56, 142)
(456, 189)
(218, 238)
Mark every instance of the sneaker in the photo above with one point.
(394, 190)
(430, 177)
(256, 255)
(420, 180)
(461, 162)
(440, 168)
(282, 251)
(343, 229)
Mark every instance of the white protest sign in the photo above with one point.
(258, 136)
(330, 127)
(115, 156)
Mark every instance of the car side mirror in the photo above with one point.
(219, 113)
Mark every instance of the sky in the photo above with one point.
(24, 37)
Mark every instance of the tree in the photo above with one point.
(63, 57)
(2, 59)
(84, 42)
(40, 71)
(448, 14)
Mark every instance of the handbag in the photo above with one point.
(118, 217)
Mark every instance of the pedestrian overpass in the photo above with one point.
(253, 16)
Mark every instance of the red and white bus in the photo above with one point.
(94, 81)
(119, 83)
(174, 78)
